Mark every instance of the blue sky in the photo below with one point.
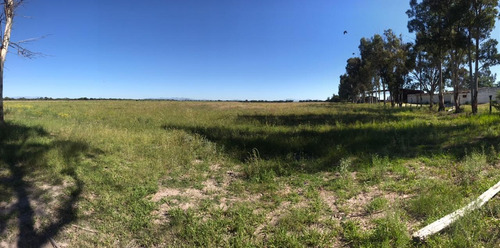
(198, 49)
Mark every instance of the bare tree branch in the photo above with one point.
(24, 52)
(18, 3)
(32, 39)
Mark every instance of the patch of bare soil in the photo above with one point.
(423, 171)
(191, 197)
(214, 167)
(272, 218)
(196, 161)
(210, 186)
(32, 209)
(330, 200)
(357, 206)
(188, 196)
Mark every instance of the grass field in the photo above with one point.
(216, 174)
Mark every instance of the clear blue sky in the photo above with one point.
(199, 49)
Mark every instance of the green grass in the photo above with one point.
(158, 173)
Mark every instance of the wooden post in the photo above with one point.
(490, 103)
(442, 223)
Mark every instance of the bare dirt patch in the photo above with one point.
(272, 218)
(330, 200)
(215, 167)
(357, 203)
(33, 207)
(190, 197)
(196, 161)
(211, 186)
(357, 206)
(165, 192)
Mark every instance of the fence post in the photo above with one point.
(490, 103)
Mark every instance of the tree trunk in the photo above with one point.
(378, 89)
(401, 99)
(431, 102)
(421, 100)
(9, 15)
(469, 55)
(476, 74)
(392, 96)
(2, 118)
(454, 76)
(383, 86)
(441, 88)
(456, 102)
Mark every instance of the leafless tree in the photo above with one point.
(6, 21)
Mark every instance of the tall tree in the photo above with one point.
(378, 60)
(345, 88)
(426, 74)
(399, 63)
(378, 55)
(351, 83)
(383, 59)
(456, 74)
(480, 17)
(367, 74)
(428, 18)
(488, 56)
(456, 58)
(372, 57)
(487, 78)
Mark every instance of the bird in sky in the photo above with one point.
(345, 31)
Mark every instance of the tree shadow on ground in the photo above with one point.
(22, 159)
(366, 107)
(329, 147)
(320, 119)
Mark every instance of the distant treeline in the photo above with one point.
(58, 99)
(335, 98)
(150, 99)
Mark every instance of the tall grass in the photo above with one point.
(283, 170)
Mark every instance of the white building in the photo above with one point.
(483, 96)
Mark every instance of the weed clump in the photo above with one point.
(257, 169)
(469, 171)
(376, 205)
(390, 231)
(260, 170)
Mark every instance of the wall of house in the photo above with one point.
(413, 98)
(448, 98)
(422, 98)
(484, 94)
(464, 98)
